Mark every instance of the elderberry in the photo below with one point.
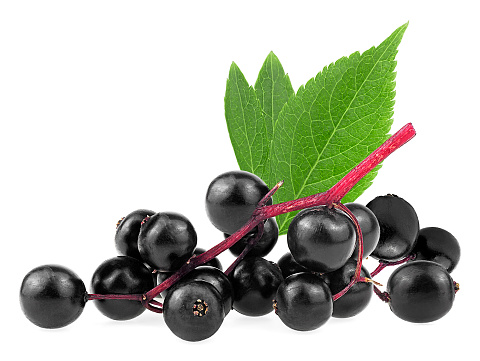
(303, 302)
(255, 282)
(437, 245)
(121, 275)
(231, 199)
(399, 227)
(194, 310)
(52, 296)
(421, 291)
(166, 241)
(321, 239)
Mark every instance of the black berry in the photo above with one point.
(121, 275)
(52, 296)
(231, 199)
(437, 245)
(126, 235)
(421, 291)
(194, 310)
(321, 239)
(166, 241)
(255, 282)
(303, 302)
(399, 227)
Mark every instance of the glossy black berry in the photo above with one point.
(216, 278)
(263, 246)
(321, 239)
(399, 227)
(126, 235)
(166, 241)
(303, 302)
(214, 262)
(194, 310)
(437, 245)
(255, 282)
(52, 296)
(357, 297)
(231, 199)
(369, 226)
(420, 291)
(289, 266)
(121, 275)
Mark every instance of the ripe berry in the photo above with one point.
(194, 310)
(121, 275)
(126, 235)
(321, 239)
(303, 302)
(216, 278)
(357, 297)
(231, 199)
(289, 266)
(166, 241)
(437, 245)
(255, 282)
(369, 227)
(398, 227)
(263, 246)
(420, 291)
(52, 296)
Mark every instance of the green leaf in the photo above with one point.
(334, 122)
(273, 89)
(251, 113)
(246, 124)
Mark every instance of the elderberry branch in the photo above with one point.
(263, 212)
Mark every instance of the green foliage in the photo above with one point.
(312, 138)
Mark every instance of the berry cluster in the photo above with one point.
(322, 276)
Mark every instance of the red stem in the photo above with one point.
(333, 195)
(356, 277)
(254, 239)
(383, 264)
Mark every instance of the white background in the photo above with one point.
(110, 106)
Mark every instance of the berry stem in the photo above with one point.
(384, 296)
(356, 277)
(134, 297)
(253, 240)
(383, 264)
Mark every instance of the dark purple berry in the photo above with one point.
(255, 282)
(289, 266)
(357, 297)
(52, 296)
(437, 245)
(166, 241)
(303, 302)
(231, 199)
(193, 310)
(420, 291)
(263, 246)
(398, 227)
(321, 239)
(369, 227)
(126, 235)
(121, 275)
